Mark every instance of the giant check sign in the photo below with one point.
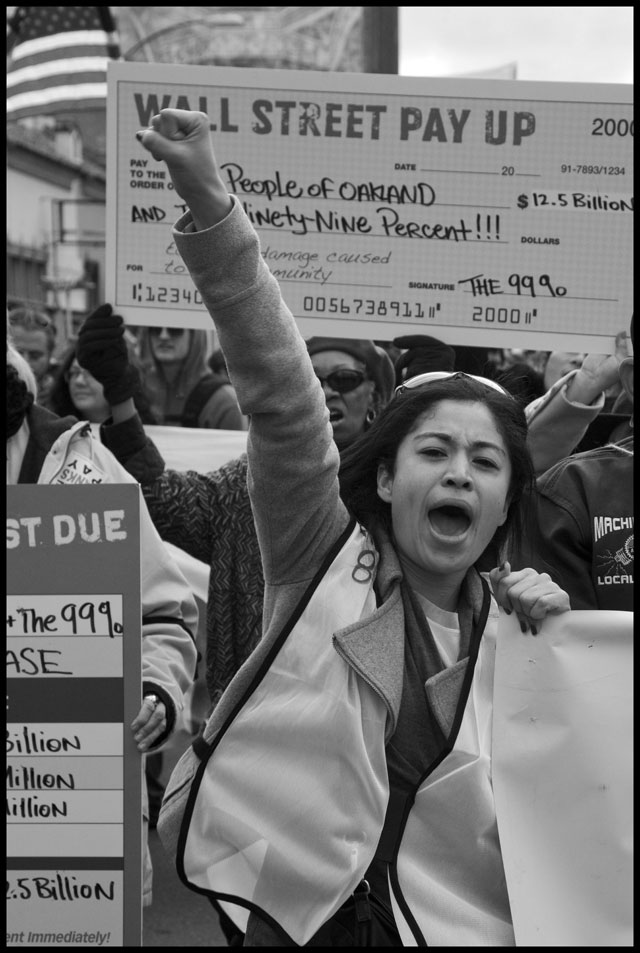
(484, 212)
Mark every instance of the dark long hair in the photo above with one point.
(379, 445)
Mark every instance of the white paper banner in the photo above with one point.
(192, 448)
(562, 776)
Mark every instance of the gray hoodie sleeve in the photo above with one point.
(293, 461)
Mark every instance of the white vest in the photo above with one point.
(287, 812)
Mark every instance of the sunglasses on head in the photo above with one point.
(172, 332)
(432, 376)
(343, 381)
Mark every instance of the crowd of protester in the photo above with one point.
(330, 421)
(371, 553)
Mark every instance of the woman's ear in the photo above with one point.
(373, 401)
(385, 483)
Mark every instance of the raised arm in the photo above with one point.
(559, 419)
(293, 462)
(182, 139)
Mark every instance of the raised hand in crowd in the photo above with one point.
(183, 140)
(101, 349)
(571, 407)
(597, 374)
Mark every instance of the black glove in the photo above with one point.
(424, 354)
(101, 349)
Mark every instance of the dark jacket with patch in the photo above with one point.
(582, 533)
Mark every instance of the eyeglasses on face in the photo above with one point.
(74, 372)
(172, 332)
(420, 379)
(343, 381)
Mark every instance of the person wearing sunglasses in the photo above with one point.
(174, 365)
(357, 379)
(340, 793)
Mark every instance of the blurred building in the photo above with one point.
(353, 39)
(55, 224)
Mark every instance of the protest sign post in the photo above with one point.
(73, 658)
(483, 212)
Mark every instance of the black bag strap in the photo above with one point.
(363, 916)
(398, 807)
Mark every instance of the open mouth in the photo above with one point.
(335, 415)
(449, 520)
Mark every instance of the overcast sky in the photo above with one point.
(556, 44)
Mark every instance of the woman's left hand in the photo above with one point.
(530, 594)
(149, 723)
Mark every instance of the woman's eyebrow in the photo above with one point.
(447, 438)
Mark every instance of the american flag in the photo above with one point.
(58, 60)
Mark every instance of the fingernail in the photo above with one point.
(534, 631)
(508, 611)
(523, 627)
(501, 568)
